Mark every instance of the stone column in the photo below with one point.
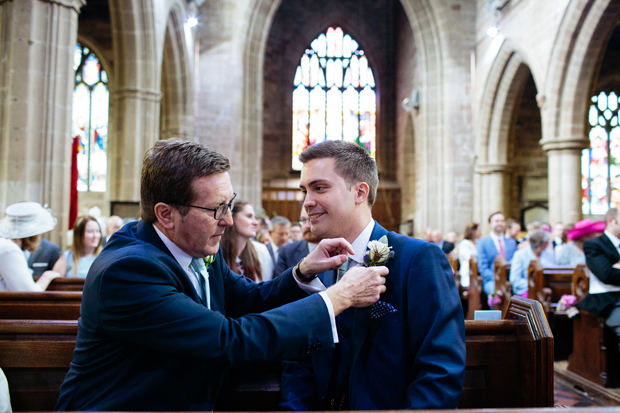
(564, 172)
(134, 121)
(37, 40)
(490, 184)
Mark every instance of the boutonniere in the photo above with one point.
(208, 260)
(378, 252)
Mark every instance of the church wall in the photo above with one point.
(295, 25)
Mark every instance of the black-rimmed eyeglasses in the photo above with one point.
(219, 212)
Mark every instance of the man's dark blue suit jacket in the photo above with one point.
(145, 342)
(411, 359)
(290, 254)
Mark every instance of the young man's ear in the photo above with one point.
(165, 215)
(362, 190)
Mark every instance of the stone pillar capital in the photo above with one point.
(136, 94)
(71, 4)
(576, 144)
(493, 168)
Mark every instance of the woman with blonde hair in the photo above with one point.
(241, 253)
(76, 261)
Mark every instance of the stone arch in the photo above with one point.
(501, 94)
(100, 56)
(430, 29)
(135, 100)
(575, 59)
(574, 64)
(176, 118)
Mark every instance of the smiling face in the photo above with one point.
(246, 223)
(199, 233)
(335, 209)
(92, 235)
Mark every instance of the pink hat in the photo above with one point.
(585, 227)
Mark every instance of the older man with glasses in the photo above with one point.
(163, 317)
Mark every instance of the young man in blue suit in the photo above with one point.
(491, 246)
(406, 352)
(158, 330)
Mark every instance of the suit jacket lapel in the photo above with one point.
(216, 288)
(609, 246)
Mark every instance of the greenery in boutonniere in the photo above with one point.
(208, 260)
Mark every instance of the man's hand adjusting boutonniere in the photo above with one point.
(360, 287)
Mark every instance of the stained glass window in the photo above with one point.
(90, 119)
(334, 95)
(600, 164)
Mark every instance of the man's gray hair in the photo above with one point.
(283, 221)
(539, 238)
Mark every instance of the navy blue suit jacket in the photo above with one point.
(601, 255)
(411, 359)
(44, 258)
(146, 342)
(290, 254)
(486, 258)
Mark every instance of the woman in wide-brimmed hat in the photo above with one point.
(21, 228)
(571, 253)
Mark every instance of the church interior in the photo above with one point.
(468, 106)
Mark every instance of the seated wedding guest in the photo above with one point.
(467, 249)
(571, 253)
(291, 254)
(158, 331)
(76, 261)
(24, 223)
(539, 241)
(559, 235)
(513, 228)
(279, 231)
(244, 256)
(263, 237)
(451, 237)
(438, 240)
(296, 233)
(113, 224)
(530, 227)
(490, 247)
(40, 253)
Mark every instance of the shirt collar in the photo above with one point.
(361, 243)
(275, 247)
(614, 240)
(183, 258)
(494, 236)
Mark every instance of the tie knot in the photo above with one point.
(198, 265)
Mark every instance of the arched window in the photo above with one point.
(600, 165)
(334, 95)
(90, 119)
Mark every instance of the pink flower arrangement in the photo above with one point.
(495, 298)
(566, 302)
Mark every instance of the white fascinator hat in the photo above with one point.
(26, 219)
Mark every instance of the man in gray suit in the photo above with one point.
(291, 254)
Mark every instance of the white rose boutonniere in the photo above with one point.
(208, 260)
(378, 252)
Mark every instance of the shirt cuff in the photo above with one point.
(332, 316)
(314, 286)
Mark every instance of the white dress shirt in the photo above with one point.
(596, 285)
(496, 241)
(185, 260)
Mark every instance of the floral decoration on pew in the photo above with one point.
(568, 303)
(495, 298)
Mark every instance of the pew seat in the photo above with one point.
(48, 305)
(509, 364)
(65, 284)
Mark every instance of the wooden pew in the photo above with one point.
(40, 305)
(501, 270)
(65, 284)
(548, 285)
(509, 364)
(35, 358)
(595, 355)
(456, 269)
(475, 292)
